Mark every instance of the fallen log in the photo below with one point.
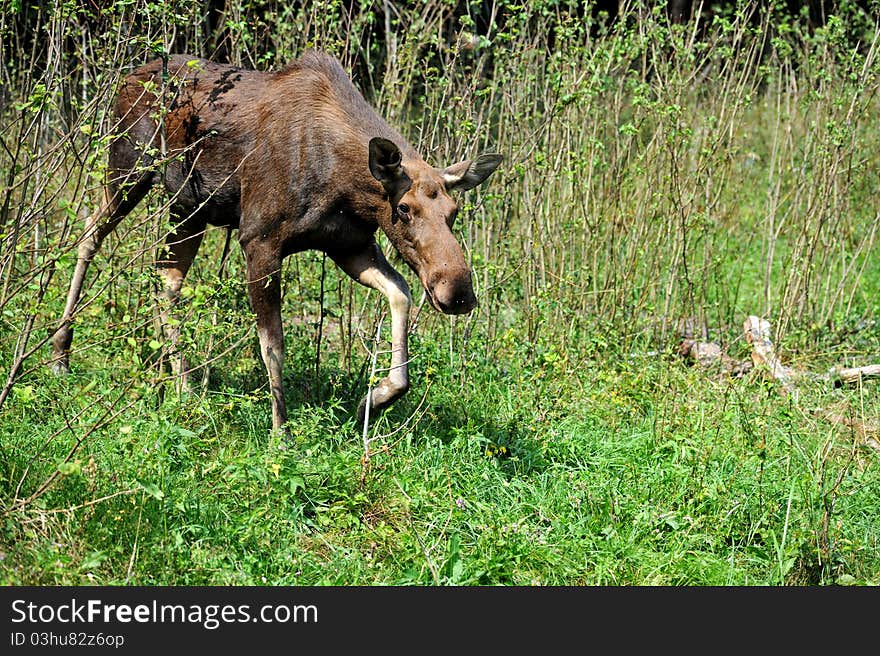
(757, 334)
(840, 377)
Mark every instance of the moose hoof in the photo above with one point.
(285, 439)
(383, 395)
(60, 367)
(362, 412)
(61, 340)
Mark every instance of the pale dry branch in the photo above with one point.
(852, 375)
(757, 332)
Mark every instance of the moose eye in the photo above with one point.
(403, 211)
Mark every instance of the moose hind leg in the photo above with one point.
(117, 204)
(264, 292)
(181, 246)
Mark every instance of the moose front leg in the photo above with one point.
(182, 244)
(264, 291)
(370, 268)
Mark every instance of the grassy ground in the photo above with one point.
(655, 176)
(640, 471)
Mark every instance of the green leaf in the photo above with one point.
(24, 393)
(153, 490)
(70, 468)
(94, 559)
(295, 483)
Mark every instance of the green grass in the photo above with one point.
(644, 472)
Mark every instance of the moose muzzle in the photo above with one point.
(452, 294)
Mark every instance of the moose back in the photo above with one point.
(295, 160)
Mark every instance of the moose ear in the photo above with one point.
(468, 174)
(385, 161)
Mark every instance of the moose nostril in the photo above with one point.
(454, 297)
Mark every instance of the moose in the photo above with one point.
(294, 159)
